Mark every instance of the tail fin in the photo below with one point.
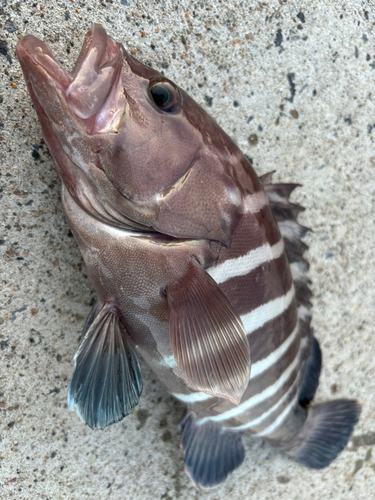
(324, 434)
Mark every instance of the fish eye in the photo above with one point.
(164, 95)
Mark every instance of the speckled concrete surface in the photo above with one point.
(293, 83)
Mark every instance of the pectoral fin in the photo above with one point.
(106, 382)
(95, 310)
(207, 336)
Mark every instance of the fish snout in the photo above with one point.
(38, 63)
(92, 94)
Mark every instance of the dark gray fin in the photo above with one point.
(324, 434)
(211, 452)
(106, 382)
(92, 315)
(310, 374)
(286, 216)
(207, 336)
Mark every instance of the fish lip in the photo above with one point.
(97, 70)
(35, 57)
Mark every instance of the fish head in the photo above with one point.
(131, 147)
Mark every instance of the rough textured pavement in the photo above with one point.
(293, 83)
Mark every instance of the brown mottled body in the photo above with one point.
(141, 300)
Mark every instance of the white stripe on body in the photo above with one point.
(258, 398)
(266, 312)
(275, 356)
(253, 203)
(279, 420)
(266, 414)
(243, 265)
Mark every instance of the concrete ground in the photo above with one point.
(293, 83)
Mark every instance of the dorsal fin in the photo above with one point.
(286, 216)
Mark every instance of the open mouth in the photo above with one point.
(108, 130)
(92, 92)
(74, 106)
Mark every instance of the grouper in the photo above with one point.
(196, 261)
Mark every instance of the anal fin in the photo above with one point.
(211, 452)
(324, 434)
(106, 382)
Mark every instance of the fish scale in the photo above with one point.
(196, 261)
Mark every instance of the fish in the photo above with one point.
(197, 263)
